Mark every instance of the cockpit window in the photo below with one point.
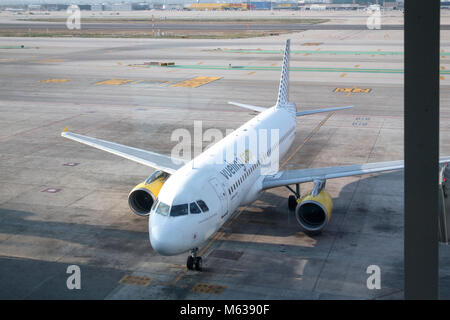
(163, 209)
(179, 210)
(193, 207)
(203, 205)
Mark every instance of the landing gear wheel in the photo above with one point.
(190, 263)
(292, 202)
(198, 264)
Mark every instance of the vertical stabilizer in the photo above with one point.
(283, 93)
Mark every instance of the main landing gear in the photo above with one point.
(194, 262)
(292, 200)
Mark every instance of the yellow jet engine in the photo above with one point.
(313, 211)
(142, 197)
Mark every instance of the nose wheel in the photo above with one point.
(193, 261)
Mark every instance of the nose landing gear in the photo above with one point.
(194, 262)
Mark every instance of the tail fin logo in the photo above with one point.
(283, 94)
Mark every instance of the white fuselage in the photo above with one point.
(225, 176)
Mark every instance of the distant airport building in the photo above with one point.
(34, 7)
(157, 6)
(140, 6)
(284, 5)
(97, 7)
(260, 5)
(173, 6)
(313, 5)
(217, 6)
(121, 7)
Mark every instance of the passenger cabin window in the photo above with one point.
(203, 205)
(179, 210)
(163, 209)
(193, 207)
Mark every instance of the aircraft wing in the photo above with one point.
(148, 158)
(284, 178)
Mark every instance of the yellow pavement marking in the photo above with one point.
(442, 77)
(177, 278)
(356, 65)
(274, 64)
(251, 73)
(55, 80)
(136, 280)
(308, 137)
(216, 236)
(299, 239)
(343, 75)
(195, 82)
(208, 288)
(114, 82)
(352, 90)
(360, 90)
(442, 68)
(200, 63)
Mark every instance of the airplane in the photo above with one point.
(188, 201)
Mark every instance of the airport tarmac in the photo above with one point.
(63, 203)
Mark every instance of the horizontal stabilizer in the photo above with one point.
(247, 106)
(308, 112)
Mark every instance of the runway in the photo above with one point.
(62, 203)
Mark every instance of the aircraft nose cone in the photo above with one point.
(162, 246)
(164, 241)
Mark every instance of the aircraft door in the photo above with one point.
(219, 188)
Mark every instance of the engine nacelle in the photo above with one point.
(314, 212)
(142, 197)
